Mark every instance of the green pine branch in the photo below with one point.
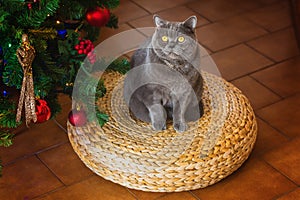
(7, 113)
(102, 118)
(71, 10)
(53, 104)
(8, 120)
(35, 17)
(3, 22)
(6, 139)
(110, 4)
(120, 65)
(13, 6)
(12, 73)
(113, 21)
(92, 32)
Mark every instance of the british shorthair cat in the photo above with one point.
(165, 81)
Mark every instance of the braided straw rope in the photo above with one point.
(130, 153)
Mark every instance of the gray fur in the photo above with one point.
(165, 80)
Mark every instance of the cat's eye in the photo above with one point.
(181, 39)
(164, 38)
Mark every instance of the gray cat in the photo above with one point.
(165, 81)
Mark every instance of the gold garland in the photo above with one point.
(26, 54)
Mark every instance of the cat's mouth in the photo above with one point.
(173, 55)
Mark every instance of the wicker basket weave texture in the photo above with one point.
(128, 152)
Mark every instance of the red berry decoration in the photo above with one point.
(77, 117)
(86, 47)
(77, 47)
(92, 57)
(43, 111)
(29, 5)
(97, 16)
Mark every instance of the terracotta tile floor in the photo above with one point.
(253, 44)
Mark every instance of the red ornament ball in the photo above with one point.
(43, 111)
(98, 16)
(77, 117)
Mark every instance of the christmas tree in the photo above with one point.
(61, 33)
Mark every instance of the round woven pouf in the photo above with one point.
(130, 153)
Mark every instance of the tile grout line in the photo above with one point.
(181, 5)
(226, 48)
(259, 52)
(64, 186)
(282, 97)
(271, 33)
(288, 139)
(264, 106)
(284, 194)
(192, 9)
(253, 10)
(176, 6)
(17, 160)
(263, 68)
(60, 126)
(278, 171)
(165, 9)
(130, 25)
(132, 1)
(139, 31)
(33, 154)
(279, 131)
(213, 22)
(52, 172)
(49, 192)
(52, 147)
(237, 43)
(250, 40)
(257, 81)
(194, 195)
(132, 193)
(206, 48)
(261, 83)
(148, 13)
(240, 14)
(222, 19)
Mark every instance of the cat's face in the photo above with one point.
(175, 40)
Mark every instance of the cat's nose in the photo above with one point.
(171, 44)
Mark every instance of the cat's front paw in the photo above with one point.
(180, 126)
(159, 125)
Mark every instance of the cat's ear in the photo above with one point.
(191, 22)
(159, 22)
